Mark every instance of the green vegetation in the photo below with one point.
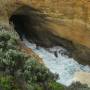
(5, 82)
(21, 72)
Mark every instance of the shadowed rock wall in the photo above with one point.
(67, 19)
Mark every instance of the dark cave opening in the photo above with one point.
(27, 26)
(28, 22)
(19, 22)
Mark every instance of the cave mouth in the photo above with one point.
(32, 25)
(25, 21)
(29, 27)
(26, 26)
(20, 23)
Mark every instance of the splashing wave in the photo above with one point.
(57, 62)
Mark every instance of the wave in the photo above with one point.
(58, 62)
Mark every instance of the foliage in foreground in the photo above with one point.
(19, 71)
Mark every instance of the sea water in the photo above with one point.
(57, 62)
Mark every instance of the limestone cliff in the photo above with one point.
(67, 22)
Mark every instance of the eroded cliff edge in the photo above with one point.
(52, 22)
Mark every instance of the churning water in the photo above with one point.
(57, 62)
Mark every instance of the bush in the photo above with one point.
(5, 82)
(7, 41)
(22, 70)
(55, 86)
(38, 72)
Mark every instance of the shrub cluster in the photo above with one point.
(21, 72)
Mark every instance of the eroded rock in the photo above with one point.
(49, 23)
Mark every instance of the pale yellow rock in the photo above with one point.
(70, 20)
(73, 10)
(83, 77)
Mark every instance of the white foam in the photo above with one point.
(64, 66)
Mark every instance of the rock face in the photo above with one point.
(82, 77)
(52, 22)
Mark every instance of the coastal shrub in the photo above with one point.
(22, 72)
(55, 86)
(8, 41)
(5, 82)
(38, 72)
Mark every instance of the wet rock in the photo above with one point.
(56, 53)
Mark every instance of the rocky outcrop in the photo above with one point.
(52, 22)
(82, 77)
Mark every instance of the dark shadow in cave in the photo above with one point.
(27, 21)
(19, 24)
(32, 24)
